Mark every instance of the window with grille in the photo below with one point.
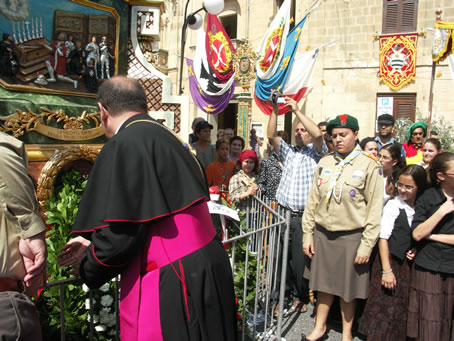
(399, 16)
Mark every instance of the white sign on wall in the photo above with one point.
(259, 131)
(385, 106)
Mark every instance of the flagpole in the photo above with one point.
(288, 119)
(432, 80)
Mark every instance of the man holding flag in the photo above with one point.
(299, 162)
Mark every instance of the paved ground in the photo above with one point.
(296, 324)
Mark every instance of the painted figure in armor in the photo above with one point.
(105, 57)
(93, 53)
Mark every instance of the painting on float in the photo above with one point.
(64, 47)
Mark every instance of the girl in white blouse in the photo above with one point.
(385, 315)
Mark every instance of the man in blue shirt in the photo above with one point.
(386, 129)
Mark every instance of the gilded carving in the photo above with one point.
(72, 128)
(244, 64)
(55, 164)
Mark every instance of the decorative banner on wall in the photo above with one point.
(398, 59)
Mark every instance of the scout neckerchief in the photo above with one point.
(340, 167)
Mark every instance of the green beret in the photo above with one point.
(415, 125)
(342, 121)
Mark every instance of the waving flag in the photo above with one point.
(219, 49)
(443, 44)
(209, 104)
(277, 81)
(270, 48)
(205, 75)
(297, 83)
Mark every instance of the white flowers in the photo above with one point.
(105, 287)
(87, 304)
(106, 300)
(100, 328)
(105, 317)
(95, 318)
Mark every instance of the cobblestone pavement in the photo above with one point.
(298, 323)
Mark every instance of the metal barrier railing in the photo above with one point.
(265, 238)
(78, 282)
(260, 244)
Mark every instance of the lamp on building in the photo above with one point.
(194, 21)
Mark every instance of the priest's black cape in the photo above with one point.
(144, 173)
(172, 178)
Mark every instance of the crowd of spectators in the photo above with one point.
(375, 217)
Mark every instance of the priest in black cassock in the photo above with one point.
(144, 215)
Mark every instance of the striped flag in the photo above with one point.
(297, 82)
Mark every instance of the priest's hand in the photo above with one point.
(73, 252)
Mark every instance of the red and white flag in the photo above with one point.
(219, 49)
(271, 47)
(297, 83)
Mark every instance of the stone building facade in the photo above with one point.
(345, 78)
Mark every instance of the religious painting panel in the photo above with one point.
(64, 47)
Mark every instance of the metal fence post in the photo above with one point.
(283, 273)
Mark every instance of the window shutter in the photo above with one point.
(400, 16)
(405, 106)
(409, 16)
(390, 16)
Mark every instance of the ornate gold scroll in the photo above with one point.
(72, 130)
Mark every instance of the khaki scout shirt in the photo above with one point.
(356, 203)
(19, 215)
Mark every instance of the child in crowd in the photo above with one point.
(243, 184)
(385, 315)
(220, 171)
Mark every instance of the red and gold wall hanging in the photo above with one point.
(398, 59)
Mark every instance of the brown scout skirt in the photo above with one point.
(332, 269)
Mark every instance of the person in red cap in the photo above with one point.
(243, 184)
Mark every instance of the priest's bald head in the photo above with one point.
(118, 99)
